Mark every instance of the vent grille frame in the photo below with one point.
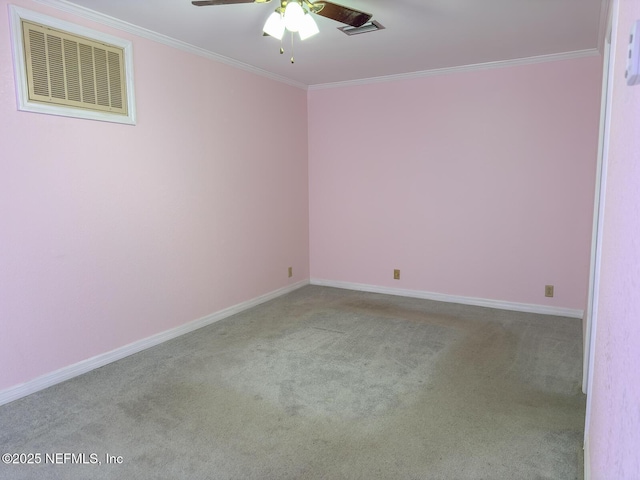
(372, 26)
(92, 79)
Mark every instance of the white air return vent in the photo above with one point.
(64, 69)
(372, 26)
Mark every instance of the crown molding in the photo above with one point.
(66, 6)
(112, 22)
(463, 68)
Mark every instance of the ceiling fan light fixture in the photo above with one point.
(308, 27)
(274, 25)
(293, 16)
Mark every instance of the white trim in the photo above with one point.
(441, 297)
(16, 14)
(463, 68)
(598, 211)
(603, 25)
(595, 292)
(112, 22)
(84, 366)
(587, 461)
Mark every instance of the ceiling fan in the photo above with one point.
(295, 16)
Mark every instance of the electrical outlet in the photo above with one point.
(290, 272)
(548, 290)
(396, 274)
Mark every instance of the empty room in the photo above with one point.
(395, 240)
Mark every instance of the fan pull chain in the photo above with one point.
(292, 60)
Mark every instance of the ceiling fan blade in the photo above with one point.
(343, 14)
(203, 3)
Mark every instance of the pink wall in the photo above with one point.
(614, 433)
(112, 233)
(476, 184)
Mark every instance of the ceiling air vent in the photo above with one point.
(72, 73)
(367, 27)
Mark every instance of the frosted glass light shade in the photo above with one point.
(274, 26)
(308, 27)
(293, 16)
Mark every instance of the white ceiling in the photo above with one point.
(420, 35)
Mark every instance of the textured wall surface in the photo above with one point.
(111, 233)
(476, 184)
(614, 433)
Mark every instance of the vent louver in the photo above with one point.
(371, 26)
(66, 69)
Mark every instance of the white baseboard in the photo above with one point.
(66, 373)
(441, 297)
(587, 460)
(84, 366)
